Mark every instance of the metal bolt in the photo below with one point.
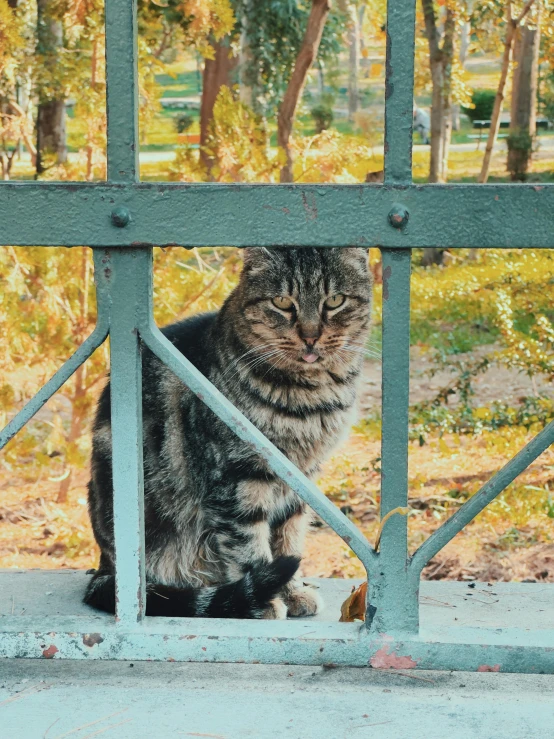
(120, 216)
(398, 217)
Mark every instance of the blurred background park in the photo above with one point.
(293, 91)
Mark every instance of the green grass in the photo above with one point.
(186, 82)
(452, 337)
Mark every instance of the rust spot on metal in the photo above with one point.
(387, 273)
(389, 84)
(383, 659)
(50, 652)
(204, 649)
(488, 668)
(310, 206)
(89, 640)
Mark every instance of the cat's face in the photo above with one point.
(306, 309)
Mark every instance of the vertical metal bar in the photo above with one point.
(399, 91)
(393, 594)
(126, 272)
(120, 270)
(392, 603)
(122, 90)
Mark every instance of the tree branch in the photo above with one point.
(528, 5)
(304, 61)
(431, 32)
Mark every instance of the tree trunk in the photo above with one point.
(320, 81)
(80, 390)
(217, 72)
(464, 46)
(436, 121)
(247, 75)
(304, 61)
(51, 131)
(506, 59)
(523, 115)
(432, 256)
(440, 60)
(353, 40)
(448, 50)
(93, 81)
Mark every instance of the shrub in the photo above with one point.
(482, 103)
(183, 122)
(323, 117)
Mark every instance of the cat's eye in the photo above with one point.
(283, 303)
(335, 301)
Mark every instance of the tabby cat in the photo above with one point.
(224, 536)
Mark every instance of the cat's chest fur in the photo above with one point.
(306, 423)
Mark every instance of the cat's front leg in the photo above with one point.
(246, 544)
(288, 539)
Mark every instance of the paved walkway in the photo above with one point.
(55, 699)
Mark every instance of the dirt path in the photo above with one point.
(506, 543)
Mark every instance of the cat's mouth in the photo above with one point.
(310, 357)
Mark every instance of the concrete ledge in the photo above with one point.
(503, 627)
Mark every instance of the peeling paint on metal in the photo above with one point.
(310, 205)
(89, 640)
(50, 652)
(387, 272)
(488, 668)
(383, 659)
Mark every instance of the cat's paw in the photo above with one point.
(276, 610)
(303, 601)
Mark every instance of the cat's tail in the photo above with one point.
(248, 597)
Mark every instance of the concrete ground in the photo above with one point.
(142, 700)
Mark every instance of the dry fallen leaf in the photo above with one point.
(353, 608)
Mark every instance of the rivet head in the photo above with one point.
(120, 216)
(398, 217)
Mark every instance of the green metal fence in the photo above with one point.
(121, 220)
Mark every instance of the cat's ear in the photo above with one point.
(356, 257)
(256, 258)
(357, 253)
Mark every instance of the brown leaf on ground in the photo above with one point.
(353, 608)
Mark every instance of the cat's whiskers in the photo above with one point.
(252, 363)
(363, 349)
(272, 343)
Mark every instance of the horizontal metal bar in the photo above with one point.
(277, 215)
(490, 490)
(278, 642)
(278, 463)
(399, 90)
(97, 337)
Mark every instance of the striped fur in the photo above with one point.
(224, 536)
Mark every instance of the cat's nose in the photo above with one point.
(310, 340)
